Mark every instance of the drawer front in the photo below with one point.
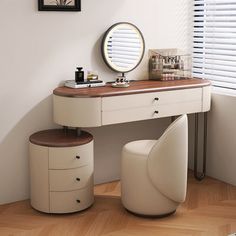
(145, 113)
(66, 202)
(128, 115)
(178, 109)
(72, 179)
(71, 157)
(180, 96)
(77, 112)
(151, 99)
(39, 195)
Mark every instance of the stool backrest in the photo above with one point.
(168, 161)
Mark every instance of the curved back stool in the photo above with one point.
(154, 172)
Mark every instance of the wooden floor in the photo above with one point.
(210, 209)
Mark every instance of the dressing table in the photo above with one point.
(61, 161)
(142, 100)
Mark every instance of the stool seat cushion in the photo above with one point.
(139, 147)
(138, 193)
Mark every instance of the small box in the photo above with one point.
(169, 64)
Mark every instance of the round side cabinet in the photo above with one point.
(61, 171)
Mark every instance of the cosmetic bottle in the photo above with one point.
(92, 75)
(79, 75)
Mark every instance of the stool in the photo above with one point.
(154, 172)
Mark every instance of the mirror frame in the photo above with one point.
(105, 39)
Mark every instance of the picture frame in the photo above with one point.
(59, 5)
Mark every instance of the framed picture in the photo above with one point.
(59, 5)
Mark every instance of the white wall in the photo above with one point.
(38, 50)
(221, 162)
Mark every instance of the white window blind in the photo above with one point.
(214, 41)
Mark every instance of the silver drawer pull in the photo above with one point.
(78, 200)
(156, 99)
(78, 157)
(78, 179)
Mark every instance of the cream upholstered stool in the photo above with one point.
(154, 172)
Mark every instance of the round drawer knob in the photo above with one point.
(78, 179)
(156, 112)
(156, 99)
(77, 157)
(78, 200)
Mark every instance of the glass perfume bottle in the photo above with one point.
(79, 75)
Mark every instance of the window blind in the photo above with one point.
(214, 41)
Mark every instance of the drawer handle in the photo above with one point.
(77, 157)
(156, 112)
(78, 179)
(78, 200)
(156, 99)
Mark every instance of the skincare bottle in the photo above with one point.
(79, 75)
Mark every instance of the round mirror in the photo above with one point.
(123, 47)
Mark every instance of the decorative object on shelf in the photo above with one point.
(80, 82)
(59, 5)
(120, 85)
(79, 75)
(169, 64)
(92, 75)
(123, 47)
(121, 82)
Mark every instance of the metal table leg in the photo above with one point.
(78, 131)
(65, 129)
(200, 175)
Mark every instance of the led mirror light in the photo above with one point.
(123, 47)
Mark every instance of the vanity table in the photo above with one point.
(142, 100)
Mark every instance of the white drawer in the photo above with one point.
(179, 96)
(70, 157)
(77, 112)
(61, 202)
(72, 179)
(176, 109)
(145, 113)
(128, 115)
(39, 177)
(150, 99)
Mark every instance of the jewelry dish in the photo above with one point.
(120, 85)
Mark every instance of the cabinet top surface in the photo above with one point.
(139, 86)
(60, 138)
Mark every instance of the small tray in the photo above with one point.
(115, 85)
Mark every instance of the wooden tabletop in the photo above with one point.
(60, 138)
(139, 86)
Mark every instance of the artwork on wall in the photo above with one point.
(59, 5)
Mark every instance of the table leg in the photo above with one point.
(65, 129)
(200, 176)
(78, 131)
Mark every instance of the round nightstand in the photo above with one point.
(61, 171)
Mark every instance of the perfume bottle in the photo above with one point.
(79, 75)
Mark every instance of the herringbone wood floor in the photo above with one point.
(210, 209)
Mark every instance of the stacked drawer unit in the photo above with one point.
(61, 171)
